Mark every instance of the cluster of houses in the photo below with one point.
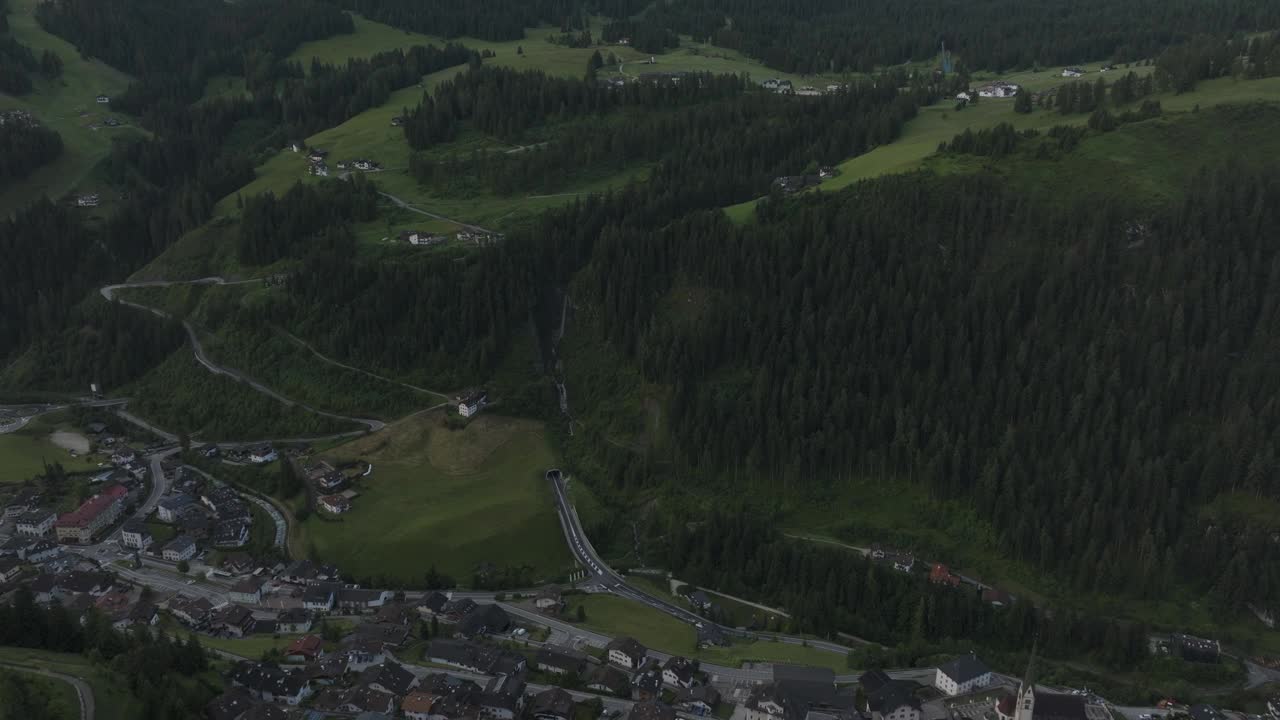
(332, 487)
(18, 117)
(202, 512)
(786, 87)
(317, 159)
(792, 184)
(361, 164)
(479, 238)
(421, 238)
(997, 89)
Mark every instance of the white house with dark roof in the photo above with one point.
(962, 675)
(179, 549)
(37, 522)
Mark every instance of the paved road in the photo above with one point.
(109, 292)
(83, 692)
(397, 201)
(606, 577)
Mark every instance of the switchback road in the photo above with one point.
(84, 693)
(109, 292)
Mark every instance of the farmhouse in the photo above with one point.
(336, 504)
(96, 513)
(998, 89)
(472, 403)
(901, 561)
(627, 653)
(1072, 72)
(962, 675)
(179, 548)
(266, 453)
(90, 200)
(102, 99)
(36, 523)
(940, 574)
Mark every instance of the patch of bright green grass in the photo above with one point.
(449, 498)
(251, 647)
(23, 455)
(616, 616)
(67, 105)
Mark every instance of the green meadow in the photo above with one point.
(452, 499)
(66, 104)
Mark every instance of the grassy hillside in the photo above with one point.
(66, 105)
(371, 135)
(449, 498)
(941, 122)
(24, 453)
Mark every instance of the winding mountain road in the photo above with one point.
(83, 692)
(402, 204)
(109, 293)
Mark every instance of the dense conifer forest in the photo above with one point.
(829, 590)
(24, 146)
(18, 63)
(812, 36)
(1038, 361)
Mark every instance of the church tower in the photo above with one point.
(1026, 702)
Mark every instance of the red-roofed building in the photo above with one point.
(305, 648)
(97, 512)
(942, 575)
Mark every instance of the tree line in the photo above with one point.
(824, 36)
(271, 228)
(158, 672)
(18, 62)
(496, 20)
(506, 103)
(24, 146)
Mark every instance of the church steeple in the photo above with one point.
(1026, 707)
(1029, 677)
